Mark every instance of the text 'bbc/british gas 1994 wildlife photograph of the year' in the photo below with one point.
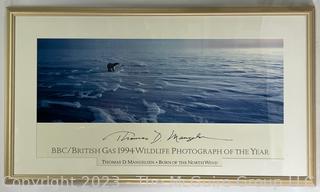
(160, 80)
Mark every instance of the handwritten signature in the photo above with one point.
(121, 136)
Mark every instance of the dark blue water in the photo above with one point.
(164, 84)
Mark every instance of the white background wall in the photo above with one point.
(148, 3)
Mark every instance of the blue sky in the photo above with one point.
(153, 43)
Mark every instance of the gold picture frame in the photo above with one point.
(13, 13)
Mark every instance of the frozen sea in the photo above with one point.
(159, 83)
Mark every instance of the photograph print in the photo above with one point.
(160, 80)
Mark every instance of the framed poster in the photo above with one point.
(109, 96)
